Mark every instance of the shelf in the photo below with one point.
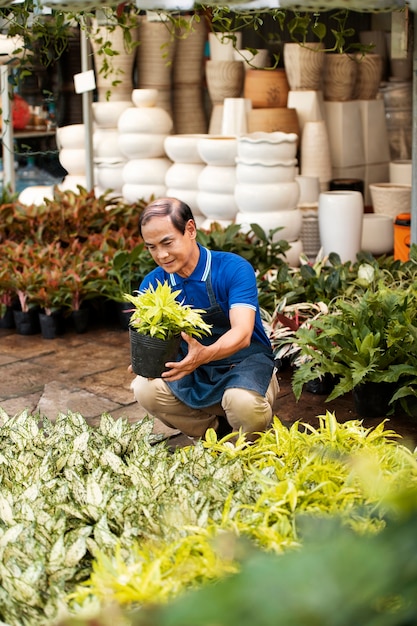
(28, 134)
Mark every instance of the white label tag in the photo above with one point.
(85, 81)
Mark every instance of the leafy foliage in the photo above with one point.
(371, 337)
(158, 313)
(109, 514)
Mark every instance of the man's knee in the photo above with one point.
(146, 392)
(247, 410)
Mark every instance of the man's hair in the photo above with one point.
(179, 212)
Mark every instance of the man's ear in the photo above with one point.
(191, 229)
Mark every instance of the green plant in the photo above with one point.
(127, 268)
(371, 337)
(159, 314)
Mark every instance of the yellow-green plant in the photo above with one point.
(158, 313)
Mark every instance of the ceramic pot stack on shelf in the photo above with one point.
(224, 74)
(268, 90)
(217, 180)
(108, 158)
(72, 156)
(266, 190)
(142, 132)
(154, 59)
(181, 178)
(187, 80)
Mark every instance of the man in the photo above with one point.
(228, 375)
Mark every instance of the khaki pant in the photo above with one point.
(243, 409)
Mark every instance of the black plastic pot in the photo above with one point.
(372, 399)
(80, 319)
(124, 313)
(27, 322)
(149, 354)
(51, 325)
(7, 320)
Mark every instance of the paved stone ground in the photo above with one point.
(87, 373)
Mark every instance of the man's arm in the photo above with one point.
(242, 321)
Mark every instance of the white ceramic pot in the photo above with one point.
(184, 175)
(377, 233)
(189, 196)
(218, 149)
(267, 147)
(134, 193)
(309, 189)
(73, 160)
(251, 198)
(208, 223)
(289, 222)
(217, 179)
(183, 148)
(292, 256)
(259, 172)
(400, 172)
(36, 194)
(217, 205)
(146, 171)
(106, 114)
(106, 144)
(110, 176)
(340, 223)
(72, 183)
(144, 97)
(390, 198)
(141, 145)
(145, 120)
(71, 136)
(223, 45)
(260, 59)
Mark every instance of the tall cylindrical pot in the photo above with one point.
(340, 223)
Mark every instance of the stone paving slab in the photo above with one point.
(57, 398)
(21, 378)
(113, 384)
(76, 362)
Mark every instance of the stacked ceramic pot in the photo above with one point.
(108, 158)
(217, 181)
(142, 132)
(266, 190)
(181, 178)
(224, 75)
(72, 156)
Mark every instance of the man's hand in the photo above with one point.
(195, 358)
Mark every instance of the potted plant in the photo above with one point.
(368, 343)
(158, 318)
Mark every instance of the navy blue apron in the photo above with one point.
(250, 368)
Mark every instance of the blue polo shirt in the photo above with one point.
(233, 280)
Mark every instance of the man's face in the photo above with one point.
(170, 249)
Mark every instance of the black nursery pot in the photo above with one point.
(149, 354)
(372, 399)
(51, 325)
(27, 322)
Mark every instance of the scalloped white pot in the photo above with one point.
(259, 172)
(267, 147)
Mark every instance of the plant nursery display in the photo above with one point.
(109, 516)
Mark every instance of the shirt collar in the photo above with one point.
(201, 271)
